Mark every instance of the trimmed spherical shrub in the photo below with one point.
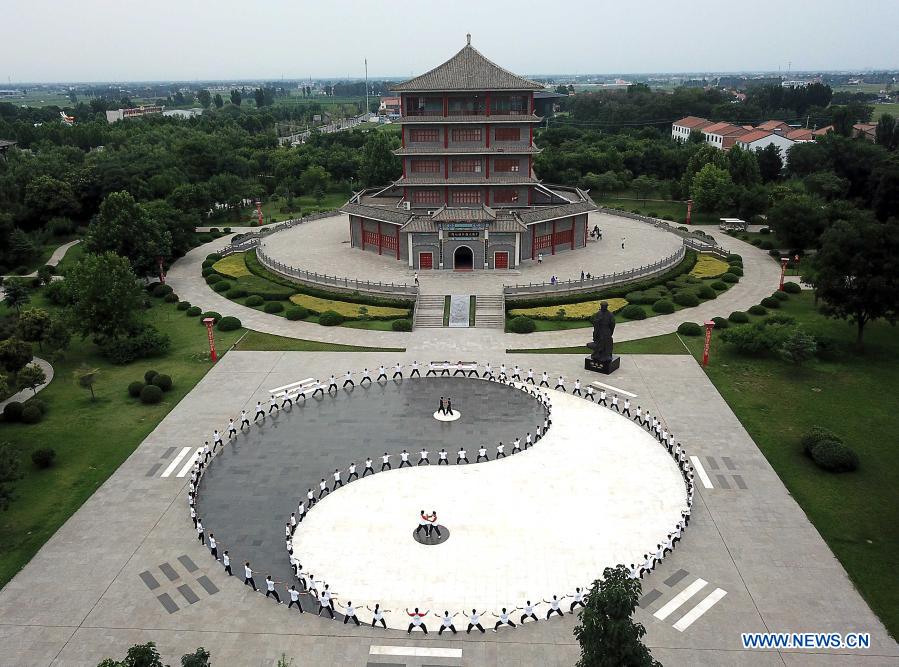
(227, 230)
(150, 394)
(401, 325)
(149, 375)
(222, 286)
(633, 312)
(183, 305)
(207, 264)
(12, 411)
(213, 257)
(31, 414)
(738, 317)
(43, 457)
(815, 435)
(781, 296)
(211, 313)
(774, 253)
(792, 288)
(689, 329)
(135, 387)
(193, 311)
(706, 292)
(38, 403)
(756, 242)
(720, 323)
(834, 456)
(213, 278)
(733, 257)
(718, 285)
(273, 307)
(329, 318)
(765, 230)
(663, 306)
(767, 244)
(171, 297)
(163, 381)
(736, 270)
(522, 325)
(229, 323)
(758, 310)
(235, 293)
(161, 290)
(208, 271)
(296, 313)
(770, 302)
(729, 278)
(254, 300)
(686, 299)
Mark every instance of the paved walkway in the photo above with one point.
(25, 394)
(54, 260)
(127, 568)
(761, 277)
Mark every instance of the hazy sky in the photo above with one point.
(129, 40)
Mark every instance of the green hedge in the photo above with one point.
(686, 299)
(330, 319)
(689, 329)
(770, 302)
(522, 325)
(296, 313)
(254, 300)
(792, 288)
(272, 307)
(720, 323)
(738, 317)
(758, 310)
(781, 296)
(259, 271)
(620, 291)
(633, 312)
(828, 451)
(401, 325)
(228, 323)
(663, 306)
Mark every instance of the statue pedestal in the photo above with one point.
(604, 367)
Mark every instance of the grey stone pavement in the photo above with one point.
(55, 258)
(127, 568)
(761, 276)
(25, 394)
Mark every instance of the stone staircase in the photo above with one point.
(428, 311)
(490, 311)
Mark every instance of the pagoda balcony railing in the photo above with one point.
(466, 112)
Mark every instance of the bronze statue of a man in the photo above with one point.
(603, 328)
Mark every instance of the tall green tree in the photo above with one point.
(21, 247)
(218, 101)
(124, 227)
(15, 354)
(712, 189)
(16, 295)
(856, 274)
(34, 324)
(236, 98)
(314, 178)
(9, 472)
(743, 166)
(644, 185)
(770, 163)
(886, 192)
(886, 133)
(379, 165)
(31, 377)
(47, 197)
(105, 296)
(798, 220)
(205, 98)
(608, 635)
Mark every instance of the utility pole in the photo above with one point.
(366, 88)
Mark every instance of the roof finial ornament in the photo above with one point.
(468, 38)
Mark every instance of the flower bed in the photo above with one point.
(349, 310)
(708, 266)
(572, 311)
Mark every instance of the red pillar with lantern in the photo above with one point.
(209, 321)
(783, 271)
(708, 342)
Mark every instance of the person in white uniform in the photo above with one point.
(528, 612)
(503, 619)
(416, 617)
(385, 462)
(553, 607)
(474, 621)
(461, 456)
(349, 613)
(446, 622)
(377, 615)
(578, 596)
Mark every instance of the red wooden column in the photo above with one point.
(585, 231)
(446, 195)
(488, 105)
(553, 243)
(573, 234)
(445, 106)
(445, 136)
(403, 134)
(446, 167)
(533, 229)
(380, 238)
(397, 242)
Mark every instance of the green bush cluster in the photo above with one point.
(193, 311)
(145, 342)
(522, 325)
(781, 296)
(296, 313)
(183, 305)
(828, 451)
(135, 388)
(330, 319)
(211, 313)
(222, 286)
(150, 394)
(718, 285)
(171, 297)
(12, 412)
(720, 323)
(686, 299)
(31, 414)
(758, 310)
(43, 457)
(272, 307)
(633, 312)
(401, 325)
(162, 290)
(254, 300)
(689, 329)
(663, 306)
(235, 293)
(738, 317)
(214, 278)
(792, 288)
(229, 323)
(770, 302)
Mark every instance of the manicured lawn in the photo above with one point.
(676, 210)
(853, 395)
(256, 341)
(271, 210)
(73, 256)
(92, 438)
(664, 344)
(881, 109)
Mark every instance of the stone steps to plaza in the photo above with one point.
(429, 311)
(490, 311)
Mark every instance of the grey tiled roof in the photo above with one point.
(468, 70)
(467, 179)
(391, 215)
(451, 120)
(514, 149)
(452, 214)
(420, 223)
(553, 212)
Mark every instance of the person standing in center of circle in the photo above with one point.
(449, 406)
